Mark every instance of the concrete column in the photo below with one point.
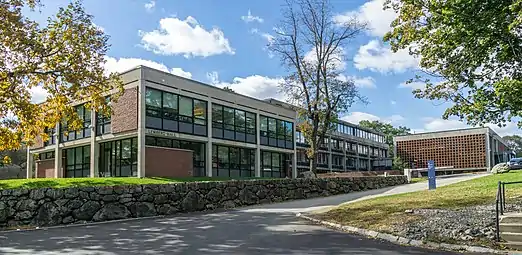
(330, 168)
(94, 147)
(488, 152)
(141, 129)
(294, 156)
(29, 164)
(58, 173)
(356, 156)
(344, 156)
(258, 148)
(208, 155)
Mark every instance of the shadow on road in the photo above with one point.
(233, 232)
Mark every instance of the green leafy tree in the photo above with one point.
(469, 52)
(310, 45)
(515, 143)
(63, 57)
(398, 164)
(388, 130)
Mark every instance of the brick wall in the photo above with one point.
(125, 112)
(45, 168)
(168, 162)
(465, 151)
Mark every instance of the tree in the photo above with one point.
(63, 58)
(399, 164)
(470, 54)
(310, 45)
(515, 143)
(388, 130)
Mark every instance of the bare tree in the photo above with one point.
(311, 45)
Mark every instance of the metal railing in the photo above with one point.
(500, 204)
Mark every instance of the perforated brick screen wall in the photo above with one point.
(466, 151)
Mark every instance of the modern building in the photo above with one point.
(169, 126)
(464, 149)
(348, 148)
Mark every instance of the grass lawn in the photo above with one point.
(419, 179)
(78, 182)
(383, 212)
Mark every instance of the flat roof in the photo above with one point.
(446, 131)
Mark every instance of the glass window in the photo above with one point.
(185, 106)
(170, 100)
(217, 113)
(229, 118)
(119, 158)
(289, 126)
(264, 123)
(77, 162)
(240, 120)
(272, 127)
(153, 97)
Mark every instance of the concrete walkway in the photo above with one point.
(323, 204)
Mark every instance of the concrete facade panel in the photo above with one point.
(168, 162)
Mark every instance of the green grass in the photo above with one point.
(79, 182)
(382, 213)
(419, 179)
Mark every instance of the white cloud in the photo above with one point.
(125, 64)
(356, 117)
(257, 86)
(413, 85)
(337, 58)
(38, 94)
(373, 14)
(185, 37)
(213, 77)
(250, 18)
(379, 58)
(268, 37)
(393, 102)
(150, 6)
(364, 82)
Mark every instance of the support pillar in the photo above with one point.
(94, 149)
(208, 153)
(294, 156)
(58, 173)
(330, 168)
(488, 152)
(344, 156)
(141, 129)
(257, 168)
(29, 164)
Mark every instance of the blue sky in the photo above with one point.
(224, 43)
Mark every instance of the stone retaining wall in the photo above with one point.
(48, 206)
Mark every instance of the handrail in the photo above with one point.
(500, 204)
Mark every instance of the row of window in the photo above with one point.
(119, 158)
(171, 112)
(77, 162)
(233, 124)
(103, 126)
(353, 131)
(274, 164)
(232, 161)
(276, 132)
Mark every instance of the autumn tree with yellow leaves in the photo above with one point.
(63, 58)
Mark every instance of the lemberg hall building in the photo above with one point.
(168, 126)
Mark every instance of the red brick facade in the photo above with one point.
(465, 151)
(125, 112)
(45, 168)
(168, 162)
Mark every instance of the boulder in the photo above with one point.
(500, 168)
(87, 210)
(307, 175)
(112, 212)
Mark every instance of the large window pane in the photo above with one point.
(289, 126)
(200, 109)
(240, 119)
(229, 118)
(185, 106)
(264, 123)
(170, 101)
(153, 97)
(217, 113)
(272, 127)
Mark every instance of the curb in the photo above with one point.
(401, 240)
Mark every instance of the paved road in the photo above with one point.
(266, 229)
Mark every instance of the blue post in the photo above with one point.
(431, 175)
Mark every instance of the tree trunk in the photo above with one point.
(313, 165)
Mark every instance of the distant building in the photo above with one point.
(464, 149)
